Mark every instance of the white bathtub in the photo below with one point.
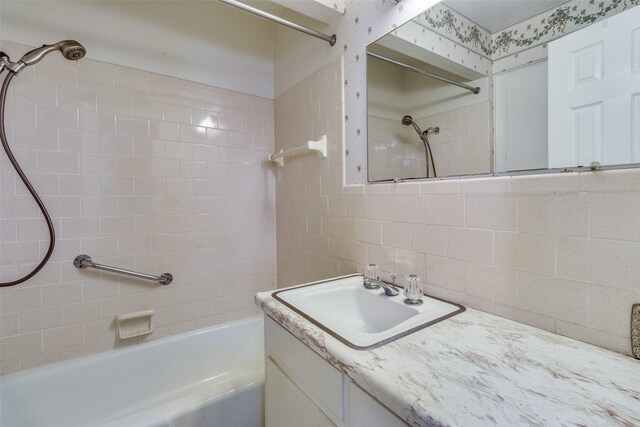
(207, 378)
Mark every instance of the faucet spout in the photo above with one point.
(389, 290)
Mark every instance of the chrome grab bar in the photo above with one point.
(84, 261)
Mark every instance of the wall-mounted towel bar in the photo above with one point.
(84, 261)
(319, 146)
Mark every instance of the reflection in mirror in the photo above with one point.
(489, 86)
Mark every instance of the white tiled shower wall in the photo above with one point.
(461, 147)
(139, 171)
(555, 251)
(395, 150)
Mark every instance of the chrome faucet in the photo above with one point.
(371, 281)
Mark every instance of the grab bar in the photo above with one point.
(84, 261)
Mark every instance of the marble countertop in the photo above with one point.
(477, 369)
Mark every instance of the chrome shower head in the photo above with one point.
(408, 121)
(70, 49)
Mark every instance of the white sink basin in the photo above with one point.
(363, 318)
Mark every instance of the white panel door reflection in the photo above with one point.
(594, 85)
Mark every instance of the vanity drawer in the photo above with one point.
(316, 378)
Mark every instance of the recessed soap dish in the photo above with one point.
(134, 324)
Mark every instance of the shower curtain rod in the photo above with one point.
(261, 13)
(475, 90)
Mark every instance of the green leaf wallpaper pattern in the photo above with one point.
(547, 26)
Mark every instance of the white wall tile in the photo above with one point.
(556, 214)
(470, 245)
(62, 337)
(396, 235)
(521, 247)
(36, 360)
(408, 262)
(21, 345)
(370, 231)
(429, 239)
(445, 272)
(493, 212)
(599, 261)
(40, 319)
(614, 180)
(122, 165)
(408, 209)
(444, 210)
(563, 182)
(623, 206)
(523, 316)
(610, 308)
(492, 283)
(528, 252)
(558, 298)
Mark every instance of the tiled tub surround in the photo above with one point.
(395, 150)
(476, 369)
(139, 171)
(558, 252)
(463, 145)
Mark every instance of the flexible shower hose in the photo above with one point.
(23, 177)
(428, 153)
(433, 164)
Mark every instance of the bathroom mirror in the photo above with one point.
(474, 87)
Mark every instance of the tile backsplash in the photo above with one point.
(140, 171)
(556, 251)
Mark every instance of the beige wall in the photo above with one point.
(555, 251)
(139, 171)
(201, 41)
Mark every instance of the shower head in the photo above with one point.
(408, 121)
(70, 49)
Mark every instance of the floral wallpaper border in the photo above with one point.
(450, 23)
(539, 29)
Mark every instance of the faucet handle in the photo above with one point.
(371, 271)
(371, 274)
(413, 290)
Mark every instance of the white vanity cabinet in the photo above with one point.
(302, 389)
